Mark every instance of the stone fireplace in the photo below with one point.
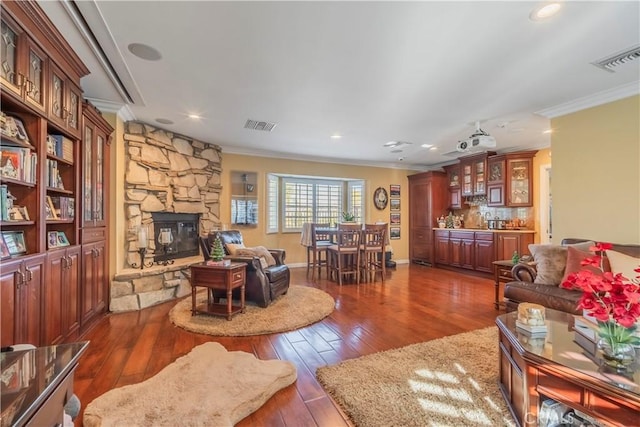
(179, 230)
(167, 176)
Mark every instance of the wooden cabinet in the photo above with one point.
(508, 243)
(65, 105)
(97, 134)
(495, 181)
(93, 282)
(428, 198)
(61, 296)
(471, 250)
(510, 179)
(453, 177)
(461, 249)
(519, 179)
(40, 87)
(24, 65)
(21, 284)
(441, 246)
(484, 251)
(473, 172)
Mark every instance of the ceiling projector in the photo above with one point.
(477, 141)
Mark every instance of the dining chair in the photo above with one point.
(344, 255)
(372, 252)
(317, 255)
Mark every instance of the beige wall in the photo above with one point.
(542, 159)
(374, 177)
(596, 173)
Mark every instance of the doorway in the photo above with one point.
(546, 205)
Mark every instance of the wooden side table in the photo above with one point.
(218, 277)
(502, 274)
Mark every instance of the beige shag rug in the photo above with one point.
(301, 306)
(451, 381)
(208, 387)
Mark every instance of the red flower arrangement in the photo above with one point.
(606, 296)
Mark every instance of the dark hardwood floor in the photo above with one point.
(415, 304)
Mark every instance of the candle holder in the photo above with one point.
(142, 252)
(165, 238)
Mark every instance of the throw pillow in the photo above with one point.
(582, 246)
(550, 263)
(264, 253)
(252, 253)
(232, 248)
(574, 262)
(625, 264)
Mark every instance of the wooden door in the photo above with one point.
(442, 249)
(8, 297)
(30, 301)
(508, 243)
(71, 312)
(467, 255)
(484, 255)
(54, 298)
(87, 280)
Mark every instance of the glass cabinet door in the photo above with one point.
(87, 183)
(479, 175)
(519, 182)
(99, 180)
(467, 186)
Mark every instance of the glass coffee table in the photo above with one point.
(563, 366)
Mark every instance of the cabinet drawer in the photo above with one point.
(237, 277)
(559, 389)
(484, 236)
(504, 274)
(421, 235)
(612, 409)
(93, 234)
(462, 235)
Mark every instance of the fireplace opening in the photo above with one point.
(175, 234)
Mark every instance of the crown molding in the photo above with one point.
(121, 110)
(604, 97)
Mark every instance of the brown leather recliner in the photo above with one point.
(263, 284)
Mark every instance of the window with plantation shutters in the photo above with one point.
(300, 199)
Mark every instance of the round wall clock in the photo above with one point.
(380, 198)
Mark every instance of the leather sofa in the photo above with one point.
(523, 288)
(264, 283)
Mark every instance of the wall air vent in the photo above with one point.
(258, 125)
(611, 62)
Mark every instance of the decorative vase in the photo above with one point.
(615, 346)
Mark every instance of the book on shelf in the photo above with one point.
(4, 211)
(61, 146)
(63, 207)
(18, 163)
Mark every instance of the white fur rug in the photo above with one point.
(207, 387)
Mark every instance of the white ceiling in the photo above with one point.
(373, 72)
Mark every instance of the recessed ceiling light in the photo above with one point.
(433, 148)
(547, 131)
(194, 116)
(336, 136)
(144, 51)
(545, 11)
(164, 121)
(427, 145)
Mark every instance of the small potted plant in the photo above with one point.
(348, 217)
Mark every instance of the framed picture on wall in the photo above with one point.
(394, 233)
(394, 204)
(394, 218)
(394, 191)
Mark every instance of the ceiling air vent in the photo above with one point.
(258, 125)
(611, 62)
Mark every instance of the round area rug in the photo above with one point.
(301, 306)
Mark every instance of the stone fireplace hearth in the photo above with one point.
(171, 173)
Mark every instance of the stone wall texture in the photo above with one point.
(165, 172)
